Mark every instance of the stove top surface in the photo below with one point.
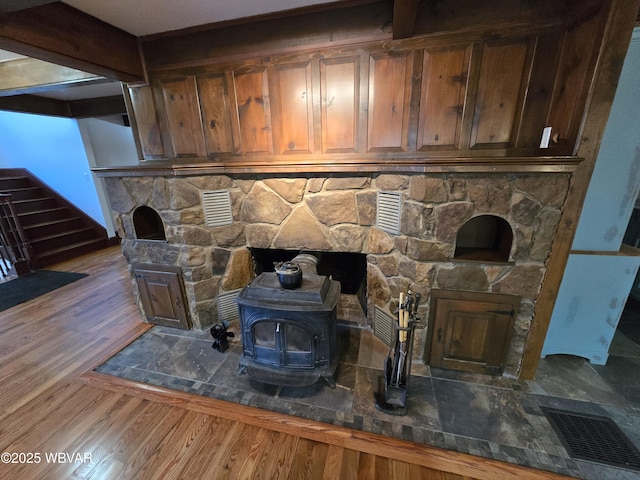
(315, 290)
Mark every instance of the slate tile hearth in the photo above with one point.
(493, 417)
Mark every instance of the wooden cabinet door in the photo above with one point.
(471, 331)
(293, 125)
(502, 82)
(183, 117)
(161, 295)
(340, 104)
(142, 110)
(445, 72)
(254, 112)
(216, 115)
(572, 82)
(389, 101)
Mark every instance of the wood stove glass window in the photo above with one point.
(484, 238)
(282, 343)
(297, 339)
(264, 335)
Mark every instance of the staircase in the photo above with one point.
(55, 229)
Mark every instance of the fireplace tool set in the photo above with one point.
(397, 366)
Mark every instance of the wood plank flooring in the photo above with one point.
(71, 422)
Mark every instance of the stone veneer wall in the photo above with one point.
(338, 213)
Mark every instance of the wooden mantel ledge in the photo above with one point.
(291, 166)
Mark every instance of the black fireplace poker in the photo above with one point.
(397, 367)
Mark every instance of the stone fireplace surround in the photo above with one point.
(337, 213)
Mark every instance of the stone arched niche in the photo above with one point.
(148, 224)
(484, 238)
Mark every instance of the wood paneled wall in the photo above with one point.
(445, 95)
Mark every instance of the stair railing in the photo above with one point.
(15, 252)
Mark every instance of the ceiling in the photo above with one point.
(146, 17)
(142, 18)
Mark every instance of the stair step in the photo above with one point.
(73, 250)
(19, 194)
(61, 240)
(39, 216)
(14, 182)
(24, 206)
(51, 227)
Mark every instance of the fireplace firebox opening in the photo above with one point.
(148, 224)
(350, 269)
(484, 238)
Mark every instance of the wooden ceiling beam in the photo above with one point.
(405, 13)
(60, 34)
(98, 107)
(29, 75)
(35, 105)
(92, 107)
(338, 23)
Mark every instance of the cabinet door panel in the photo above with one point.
(340, 84)
(183, 117)
(162, 297)
(500, 93)
(571, 87)
(216, 114)
(295, 110)
(471, 332)
(389, 94)
(538, 100)
(466, 335)
(145, 122)
(254, 115)
(444, 85)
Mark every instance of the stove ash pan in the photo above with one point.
(289, 336)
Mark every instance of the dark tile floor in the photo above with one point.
(493, 417)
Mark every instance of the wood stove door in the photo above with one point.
(281, 343)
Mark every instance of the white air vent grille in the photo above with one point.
(384, 326)
(217, 208)
(227, 306)
(389, 208)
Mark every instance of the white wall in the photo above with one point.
(107, 143)
(596, 284)
(615, 183)
(52, 149)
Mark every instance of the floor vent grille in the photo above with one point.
(593, 438)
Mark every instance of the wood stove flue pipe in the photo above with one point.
(308, 263)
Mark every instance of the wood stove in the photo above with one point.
(289, 335)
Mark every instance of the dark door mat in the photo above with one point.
(23, 289)
(593, 438)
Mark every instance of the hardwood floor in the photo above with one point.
(71, 422)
